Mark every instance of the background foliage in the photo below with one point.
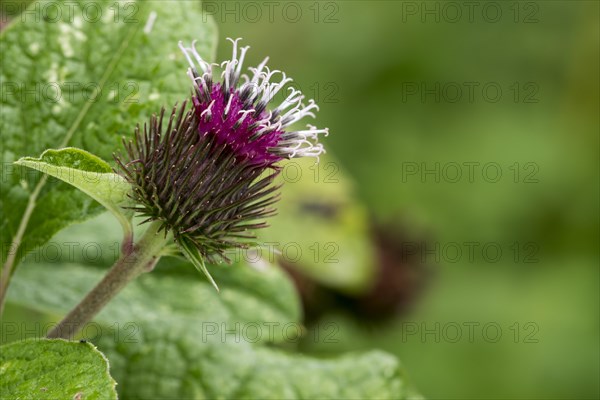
(371, 51)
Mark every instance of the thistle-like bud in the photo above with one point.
(206, 171)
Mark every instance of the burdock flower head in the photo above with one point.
(206, 172)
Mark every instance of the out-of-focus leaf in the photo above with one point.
(321, 228)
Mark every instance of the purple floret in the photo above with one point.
(242, 138)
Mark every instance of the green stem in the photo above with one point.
(142, 257)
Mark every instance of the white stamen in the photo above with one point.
(275, 88)
(256, 91)
(227, 107)
(293, 110)
(268, 128)
(238, 70)
(291, 99)
(202, 86)
(303, 112)
(311, 133)
(205, 66)
(243, 117)
(267, 120)
(208, 111)
(257, 71)
(234, 42)
(184, 50)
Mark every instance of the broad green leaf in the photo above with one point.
(248, 294)
(321, 228)
(54, 369)
(170, 335)
(279, 375)
(83, 80)
(177, 362)
(88, 173)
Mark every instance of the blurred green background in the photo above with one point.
(393, 81)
